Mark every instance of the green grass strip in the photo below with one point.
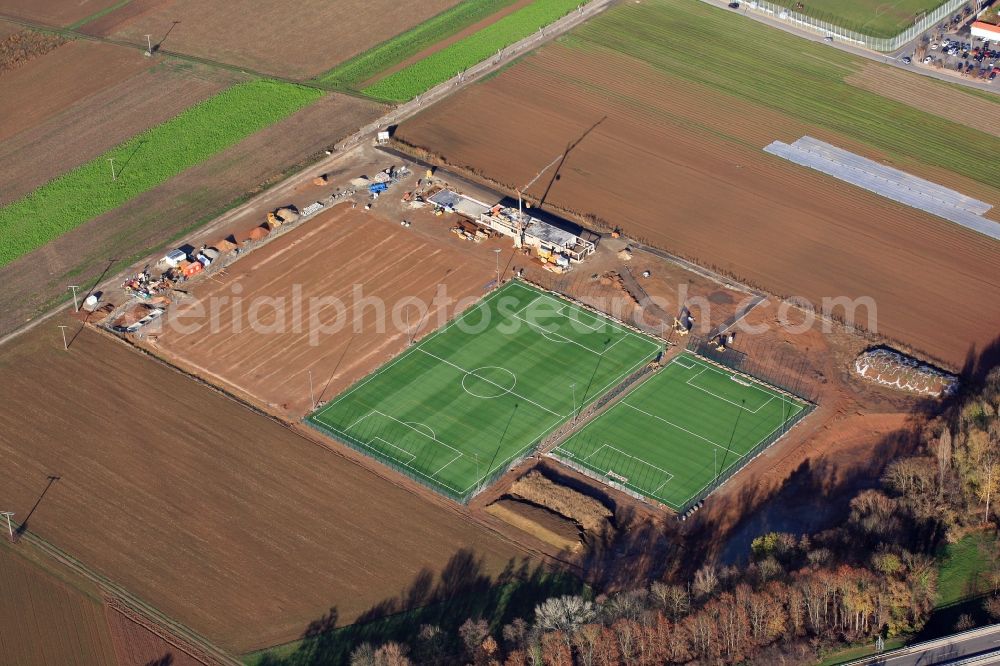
(446, 63)
(366, 65)
(145, 161)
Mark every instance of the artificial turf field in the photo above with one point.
(669, 437)
(486, 388)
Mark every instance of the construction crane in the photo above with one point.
(520, 212)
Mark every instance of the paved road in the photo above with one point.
(978, 647)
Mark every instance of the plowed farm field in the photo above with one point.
(266, 36)
(56, 12)
(355, 258)
(227, 521)
(672, 153)
(46, 621)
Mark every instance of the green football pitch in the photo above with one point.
(483, 390)
(675, 433)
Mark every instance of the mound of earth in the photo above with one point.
(19, 48)
(587, 512)
(889, 367)
(538, 521)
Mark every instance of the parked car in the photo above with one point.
(907, 60)
(733, 5)
(928, 60)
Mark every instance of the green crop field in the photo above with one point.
(145, 161)
(364, 66)
(871, 17)
(673, 435)
(438, 67)
(474, 396)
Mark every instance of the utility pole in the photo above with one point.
(312, 396)
(65, 343)
(149, 46)
(497, 253)
(76, 304)
(10, 529)
(573, 386)
(113, 176)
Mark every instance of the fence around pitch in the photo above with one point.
(881, 44)
(745, 460)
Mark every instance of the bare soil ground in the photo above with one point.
(266, 36)
(683, 169)
(46, 621)
(341, 253)
(135, 645)
(55, 82)
(54, 12)
(233, 524)
(190, 198)
(71, 131)
(932, 96)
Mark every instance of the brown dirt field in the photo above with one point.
(54, 12)
(930, 95)
(55, 82)
(325, 257)
(135, 645)
(229, 522)
(266, 36)
(77, 131)
(662, 153)
(437, 46)
(45, 621)
(7, 29)
(192, 197)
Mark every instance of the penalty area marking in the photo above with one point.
(411, 425)
(618, 475)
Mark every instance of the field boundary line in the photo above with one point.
(670, 423)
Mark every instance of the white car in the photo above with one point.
(928, 60)
(933, 46)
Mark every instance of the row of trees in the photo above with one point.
(875, 574)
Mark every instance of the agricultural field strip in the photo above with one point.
(389, 53)
(797, 408)
(440, 66)
(145, 161)
(548, 427)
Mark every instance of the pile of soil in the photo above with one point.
(538, 521)
(585, 511)
(889, 367)
(19, 48)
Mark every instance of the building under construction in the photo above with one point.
(552, 243)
